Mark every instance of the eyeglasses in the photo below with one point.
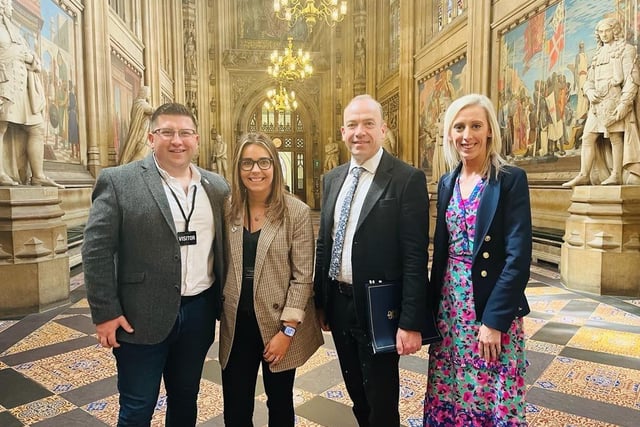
(263, 163)
(183, 134)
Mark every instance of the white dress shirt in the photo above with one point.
(197, 276)
(366, 178)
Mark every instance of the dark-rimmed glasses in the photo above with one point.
(263, 163)
(171, 133)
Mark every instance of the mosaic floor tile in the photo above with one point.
(545, 290)
(106, 410)
(210, 403)
(49, 333)
(634, 302)
(569, 320)
(338, 394)
(609, 313)
(6, 324)
(412, 389)
(547, 306)
(42, 409)
(607, 341)
(604, 383)
(299, 397)
(83, 303)
(3, 366)
(543, 347)
(538, 416)
(69, 371)
(532, 325)
(320, 357)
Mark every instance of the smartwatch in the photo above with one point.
(289, 331)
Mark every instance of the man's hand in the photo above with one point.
(106, 331)
(408, 342)
(322, 320)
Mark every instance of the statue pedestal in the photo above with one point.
(34, 263)
(601, 249)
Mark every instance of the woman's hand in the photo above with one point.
(489, 343)
(276, 348)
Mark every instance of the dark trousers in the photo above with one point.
(240, 376)
(372, 381)
(178, 359)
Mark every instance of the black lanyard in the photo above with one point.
(193, 203)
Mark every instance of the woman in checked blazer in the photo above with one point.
(268, 315)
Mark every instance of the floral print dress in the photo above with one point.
(463, 389)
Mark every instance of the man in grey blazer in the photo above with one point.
(386, 238)
(153, 260)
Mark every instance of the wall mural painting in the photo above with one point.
(126, 85)
(258, 22)
(543, 64)
(435, 94)
(55, 42)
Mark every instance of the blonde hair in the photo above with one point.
(275, 202)
(494, 142)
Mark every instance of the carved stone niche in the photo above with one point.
(34, 262)
(601, 249)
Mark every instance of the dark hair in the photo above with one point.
(275, 203)
(172, 109)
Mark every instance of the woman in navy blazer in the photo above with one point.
(481, 263)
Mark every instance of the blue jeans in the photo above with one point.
(178, 359)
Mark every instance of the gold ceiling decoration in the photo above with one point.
(290, 66)
(331, 11)
(281, 100)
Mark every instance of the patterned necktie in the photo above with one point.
(338, 243)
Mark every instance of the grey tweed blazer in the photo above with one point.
(131, 255)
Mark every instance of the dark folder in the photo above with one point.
(383, 312)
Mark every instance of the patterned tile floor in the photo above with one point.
(584, 352)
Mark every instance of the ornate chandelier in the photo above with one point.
(281, 100)
(290, 67)
(332, 11)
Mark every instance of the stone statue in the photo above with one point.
(190, 54)
(220, 155)
(135, 147)
(389, 143)
(331, 154)
(360, 55)
(611, 87)
(22, 101)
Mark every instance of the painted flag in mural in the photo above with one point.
(555, 45)
(533, 39)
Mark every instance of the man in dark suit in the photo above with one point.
(385, 238)
(153, 261)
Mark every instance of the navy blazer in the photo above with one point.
(502, 247)
(391, 241)
(131, 255)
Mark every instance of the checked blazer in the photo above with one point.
(283, 284)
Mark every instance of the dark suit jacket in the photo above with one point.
(131, 255)
(502, 247)
(390, 242)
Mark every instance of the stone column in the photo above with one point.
(601, 249)
(34, 263)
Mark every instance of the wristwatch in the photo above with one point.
(289, 331)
